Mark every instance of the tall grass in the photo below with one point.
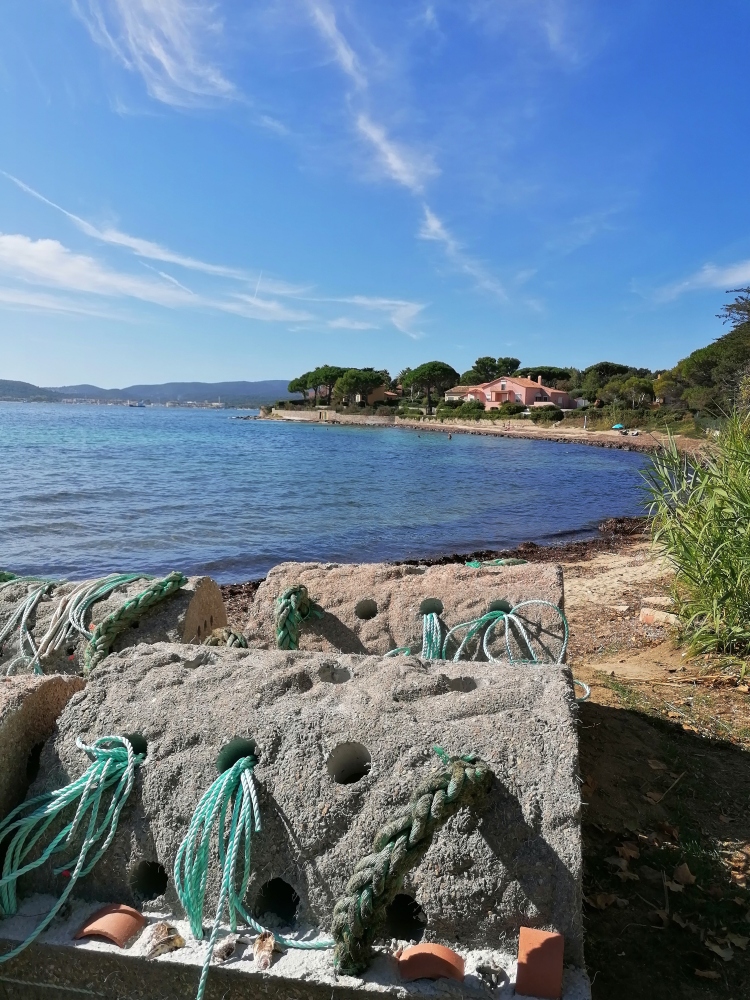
(701, 522)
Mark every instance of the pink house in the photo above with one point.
(512, 389)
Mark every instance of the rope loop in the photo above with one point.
(291, 609)
(104, 635)
(112, 768)
(398, 846)
(226, 637)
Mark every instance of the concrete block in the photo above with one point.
(189, 615)
(375, 607)
(652, 616)
(369, 722)
(29, 707)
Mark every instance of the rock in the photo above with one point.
(375, 607)
(336, 759)
(652, 616)
(29, 707)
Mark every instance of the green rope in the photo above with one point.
(113, 766)
(107, 631)
(6, 577)
(432, 639)
(209, 821)
(291, 609)
(398, 846)
(489, 622)
(226, 637)
(477, 564)
(38, 587)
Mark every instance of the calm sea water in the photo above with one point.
(85, 490)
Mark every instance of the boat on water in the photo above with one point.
(138, 404)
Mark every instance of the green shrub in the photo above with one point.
(701, 521)
(545, 414)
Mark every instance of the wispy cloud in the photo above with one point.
(324, 19)
(35, 301)
(728, 276)
(434, 229)
(406, 166)
(165, 41)
(402, 314)
(345, 323)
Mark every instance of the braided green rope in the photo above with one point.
(38, 587)
(477, 564)
(226, 637)
(113, 767)
(107, 631)
(6, 577)
(398, 846)
(432, 639)
(291, 609)
(209, 821)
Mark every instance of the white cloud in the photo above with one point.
(401, 314)
(324, 19)
(727, 277)
(433, 228)
(401, 164)
(35, 301)
(163, 40)
(345, 323)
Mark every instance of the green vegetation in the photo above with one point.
(701, 521)
(434, 376)
(486, 369)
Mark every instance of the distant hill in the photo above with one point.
(249, 393)
(10, 390)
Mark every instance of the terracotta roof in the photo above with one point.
(527, 383)
(467, 388)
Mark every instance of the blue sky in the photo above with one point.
(227, 190)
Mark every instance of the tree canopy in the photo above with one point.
(433, 376)
(486, 369)
(550, 374)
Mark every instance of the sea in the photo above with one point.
(86, 490)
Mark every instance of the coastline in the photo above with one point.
(647, 441)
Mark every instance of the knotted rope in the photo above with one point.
(398, 846)
(191, 865)
(113, 767)
(226, 637)
(478, 564)
(291, 609)
(107, 631)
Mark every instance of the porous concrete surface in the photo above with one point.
(516, 862)
(29, 707)
(104, 970)
(188, 615)
(398, 593)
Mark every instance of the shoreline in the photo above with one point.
(646, 441)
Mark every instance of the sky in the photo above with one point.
(247, 189)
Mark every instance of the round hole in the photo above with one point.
(505, 606)
(332, 673)
(277, 899)
(366, 609)
(70, 651)
(137, 742)
(135, 624)
(431, 606)
(405, 919)
(235, 750)
(148, 880)
(348, 763)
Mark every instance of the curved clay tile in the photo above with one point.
(429, 961)
(116, 922)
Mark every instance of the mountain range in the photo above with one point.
(233, 393)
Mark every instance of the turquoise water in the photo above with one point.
(86, 490)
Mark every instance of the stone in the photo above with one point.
(376, 607)
(187, 616)
(29, 707)
(343, 741)
(652, 616)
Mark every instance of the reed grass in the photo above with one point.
(700, 513)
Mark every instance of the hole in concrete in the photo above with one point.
(332, 673)
(431, 606)
(32, 762)
(212, 621)
(348, 763)
(277, 898)
(148, 880)
(235, 750)
(137, 742)
(70, 650)
(135, 624)
(500, 606)
(462, 684)
(366, 609)
(404, 919)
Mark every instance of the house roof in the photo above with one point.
(467, 388)
(527, 383)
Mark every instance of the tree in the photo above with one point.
(550, 374)
(637, 389)
(358, 381)
(486, 368)
(325, 378)
(432, 376)
(300, 384)
(471, 377)
(507, 366)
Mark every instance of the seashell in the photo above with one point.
(226, 948)
(161, 938)
(263, 950)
